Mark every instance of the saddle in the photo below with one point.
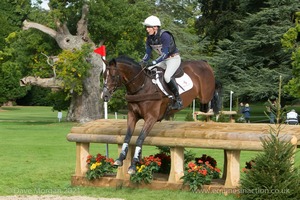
(183, 81)
(179, 72)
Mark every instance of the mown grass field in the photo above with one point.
(36, 159)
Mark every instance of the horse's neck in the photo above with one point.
(133, 79)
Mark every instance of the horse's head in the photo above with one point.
(112, 79)
(122, 70)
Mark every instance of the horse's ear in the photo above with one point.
(112, 62)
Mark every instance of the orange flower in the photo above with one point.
(203, 171)
(191, 165)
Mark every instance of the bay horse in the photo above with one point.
(148, 102)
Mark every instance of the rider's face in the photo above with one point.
(151, 30)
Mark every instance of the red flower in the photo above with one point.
(191, 165)
(203, 171)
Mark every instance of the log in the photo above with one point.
(199, 130)
(231, 137)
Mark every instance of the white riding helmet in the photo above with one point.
(152, 21)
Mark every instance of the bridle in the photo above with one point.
(118, 79)
(115, 79)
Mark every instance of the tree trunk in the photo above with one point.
(84, 107)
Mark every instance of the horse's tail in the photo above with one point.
(216, 102)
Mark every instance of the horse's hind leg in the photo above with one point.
(204, 107)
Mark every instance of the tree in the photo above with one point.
(180, 17)
(291, 42)
(85, 93)
(77, 69)
(273, 175)
(11, 15)
(218, 19)
(250, 63)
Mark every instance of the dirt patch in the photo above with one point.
(53, 197)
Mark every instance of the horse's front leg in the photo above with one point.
(148, 125)
(131, 123)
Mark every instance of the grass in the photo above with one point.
(36, 159)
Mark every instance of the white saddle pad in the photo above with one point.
(184, 83)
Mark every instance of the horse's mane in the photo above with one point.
(127, 60)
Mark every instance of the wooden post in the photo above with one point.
(122, 171)
(82, 151)
(177, 164)
(233, 168)
(224, 166)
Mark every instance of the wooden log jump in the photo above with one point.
(209, 114)
(231, 137)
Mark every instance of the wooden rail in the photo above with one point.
(231, 137)
(208, 115)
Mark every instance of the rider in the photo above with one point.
(169, 59)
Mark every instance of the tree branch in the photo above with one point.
(42, 82)
(27, 25)
(82, 29)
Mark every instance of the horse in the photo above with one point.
(148, 99)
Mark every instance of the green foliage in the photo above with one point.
(290, 41)
(21, 57)
(250, 62)
(36, 96)
(72, 68)
(218, 19)
(126, 34)
(9, 82)
(59, 100)
(11, 15)
(189, 117)
(164, 150)
(188, 156)
(117, 101)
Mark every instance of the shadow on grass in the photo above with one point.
(20, 122)
(10, 108)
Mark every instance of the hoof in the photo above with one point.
(131, 170)
(118, 163)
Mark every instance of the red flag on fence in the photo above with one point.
(101, 50)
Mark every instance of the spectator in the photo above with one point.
(246, 112)
(240, 113)
(241, 107)
(292, 117)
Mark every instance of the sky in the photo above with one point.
(44, 4)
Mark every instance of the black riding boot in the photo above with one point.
(177, 105)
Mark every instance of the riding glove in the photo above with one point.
(144, 64)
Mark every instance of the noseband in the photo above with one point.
(115, 79)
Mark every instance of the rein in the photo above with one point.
(131, 80)
(127, 83)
